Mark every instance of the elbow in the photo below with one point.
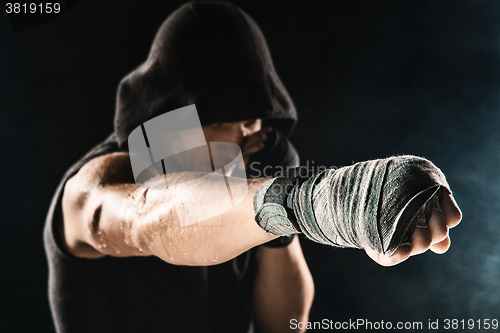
(79, 228)
(95, 243)
(95, 230)
(94, 225)
(111, 235)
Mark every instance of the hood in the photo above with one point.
(211, 54)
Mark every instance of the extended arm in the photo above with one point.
(375, 205)
(106, 213)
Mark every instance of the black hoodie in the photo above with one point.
(212, 55)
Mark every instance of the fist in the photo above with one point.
(434, 237)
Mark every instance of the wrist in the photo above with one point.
(274, 203)
(282, 241)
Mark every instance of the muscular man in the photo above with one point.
(104, 278)
(119, 259)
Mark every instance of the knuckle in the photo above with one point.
(455, 216)
(438, 225)
(439, 231)
(425, 238)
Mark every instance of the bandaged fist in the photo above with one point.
(393, 208)
(434, 237)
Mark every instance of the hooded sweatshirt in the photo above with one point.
(212, 55)
(215, 56)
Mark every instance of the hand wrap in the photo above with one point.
(374, 204)
(278, 154)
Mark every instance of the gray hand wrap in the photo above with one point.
(374, 204)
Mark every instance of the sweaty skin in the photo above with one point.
(106, 213)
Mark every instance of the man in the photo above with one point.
(119, 259)
(215, 56)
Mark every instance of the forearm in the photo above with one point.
(146, 222)
(212, 241)
(283, 288)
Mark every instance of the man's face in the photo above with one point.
(248, 135)
(236, 132)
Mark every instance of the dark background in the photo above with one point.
(369, 79)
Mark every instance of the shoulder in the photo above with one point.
(105, 170)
